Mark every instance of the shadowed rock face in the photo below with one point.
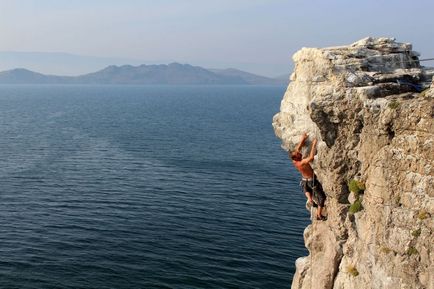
(371, 106)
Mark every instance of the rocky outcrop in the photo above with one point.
(371, 106)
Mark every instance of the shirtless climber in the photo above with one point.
(309, 182)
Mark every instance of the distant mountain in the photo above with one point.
(24, 76)
(69, 64)
(59, 63)
(248, 77)
(173, 73)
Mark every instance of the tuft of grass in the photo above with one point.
(423, 93)
(356, 207)
(412, 251)
(386, 250)
(356, 186)
(423, 214)
(394, 104)
(352, 270)
(416, 233)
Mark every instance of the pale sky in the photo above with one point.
(255, 35)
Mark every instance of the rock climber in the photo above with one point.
(309, 182)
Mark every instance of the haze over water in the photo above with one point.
(146, 187)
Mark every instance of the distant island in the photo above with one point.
(170, 74)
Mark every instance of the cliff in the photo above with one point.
(371, 105)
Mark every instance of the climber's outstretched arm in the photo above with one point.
(302, 141)
(312, 153)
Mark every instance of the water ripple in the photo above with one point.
(118, 187)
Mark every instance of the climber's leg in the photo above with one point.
(319, 211)
(307, 190)
(321, 197)
(309, 197)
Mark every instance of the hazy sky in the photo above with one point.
(257, 35)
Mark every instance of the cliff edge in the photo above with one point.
(371, 105)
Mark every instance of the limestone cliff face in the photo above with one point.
(371, 106)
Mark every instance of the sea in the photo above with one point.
(146, 187)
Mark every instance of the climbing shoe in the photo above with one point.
(321, 218)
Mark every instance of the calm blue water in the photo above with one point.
(145, 187)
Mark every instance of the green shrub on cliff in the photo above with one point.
(356, 207)
(424, 92)
(357, 187)
(398, 200)
(394, 104)
(416, 233)
(422, 214)
(386, 250)
(412, 251)
(352, 270)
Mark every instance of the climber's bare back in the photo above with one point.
(304, 168)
